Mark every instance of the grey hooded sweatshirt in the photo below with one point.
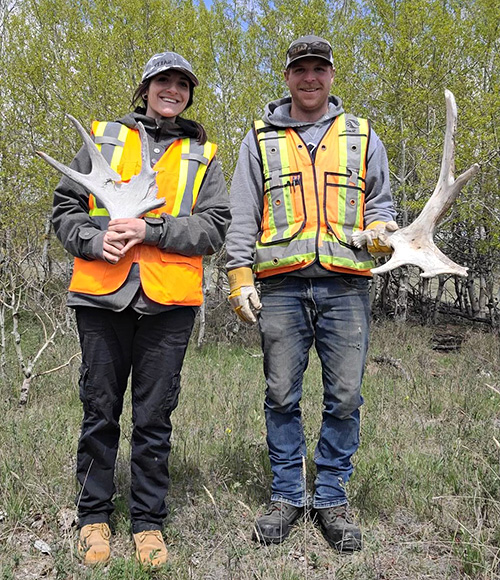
(247, 197)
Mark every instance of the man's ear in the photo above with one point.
(333, 77)
(286, 75)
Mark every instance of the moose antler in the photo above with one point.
(122, 200)
(414, 244)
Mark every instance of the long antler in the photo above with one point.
(414, 244)
(122, 200)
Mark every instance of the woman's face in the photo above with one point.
(167, 94)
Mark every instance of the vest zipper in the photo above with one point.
(318, 215)
(157, 132)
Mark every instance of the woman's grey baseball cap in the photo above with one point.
(168, 60)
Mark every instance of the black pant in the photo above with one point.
(152, 347)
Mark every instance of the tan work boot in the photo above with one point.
(93, 544)
(150, 548)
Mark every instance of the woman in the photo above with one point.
(135, 289)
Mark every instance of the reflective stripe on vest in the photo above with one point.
(166, 278)
(311, 208)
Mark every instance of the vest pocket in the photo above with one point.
(171, 258)
(343, 205)
(176, 280)
(284, 213)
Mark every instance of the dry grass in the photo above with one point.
(426, 487)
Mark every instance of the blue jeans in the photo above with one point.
(334, 313)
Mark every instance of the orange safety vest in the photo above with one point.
(166, 278)
(311, 208)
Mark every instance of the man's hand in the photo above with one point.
(122, 235)
(377, 240)
(243, 295)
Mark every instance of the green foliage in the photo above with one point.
(393, 61)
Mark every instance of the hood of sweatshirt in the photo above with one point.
(160, 129)
(277, 113)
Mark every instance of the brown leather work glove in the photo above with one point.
(243, 296)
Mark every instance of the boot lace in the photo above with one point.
(101, 528)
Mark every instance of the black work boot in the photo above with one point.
(275, 525)
(338, 528)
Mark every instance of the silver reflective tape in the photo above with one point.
(108, 140)
(195, 157)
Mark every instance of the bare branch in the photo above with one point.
(55, 369)
(28, 370)
(393, 362)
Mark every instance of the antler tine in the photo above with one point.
(121, 199)
(100, 167)
(146, 160)
(414, 244)
(447, 188)
(447, 171)
(139, 195)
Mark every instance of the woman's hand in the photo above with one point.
(122, 234)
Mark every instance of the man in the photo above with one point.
(308, 176)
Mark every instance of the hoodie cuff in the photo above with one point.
(153, 231)
(92, 244)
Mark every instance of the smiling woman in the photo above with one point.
(167, 78)
(167, 95)
(136, 287)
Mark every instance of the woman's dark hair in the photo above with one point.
(192, 127)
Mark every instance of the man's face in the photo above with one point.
(309, 80)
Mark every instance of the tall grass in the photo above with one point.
(426, 486)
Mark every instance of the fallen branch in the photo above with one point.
(393, 362)
(494, 389)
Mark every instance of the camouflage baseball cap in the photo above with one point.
(168, 60)
(309, 46)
